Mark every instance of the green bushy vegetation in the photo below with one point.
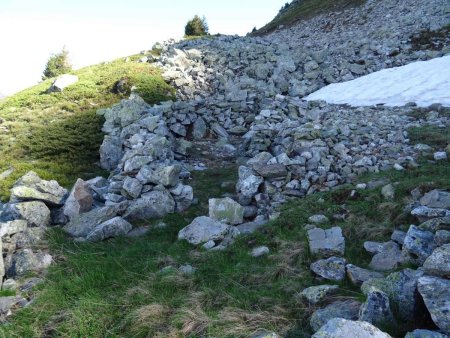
(58, 134)
(305, 9)
(57, 64)
(196, 27)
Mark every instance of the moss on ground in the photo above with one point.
(58, 134)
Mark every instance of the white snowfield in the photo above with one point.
(422, 82)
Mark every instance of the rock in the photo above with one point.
(326, 243)
(226, 210)
(62, 82)
(442, 237)
(132, 187)
(111, 152)
(204, 229)
(440, 156)
(12, 227)
(138, 232)
(32, 188)
(400, 288)
(260, 251)
(424, 213)
(80, 200)
(167, 176)
(9, 284)
(436, 199)
(187, 269)
(388, 192)
(389, 258)
(248, 184)
(111, 228)
(315, 294)
(2, 264)
(36, 213)
(425, 334)
(251, 227)
(30, 283)
(418, 245)
(435, 224)
(398, 236)
(376, 310)
(83, 224)
(377, 247)
(342, 309)
(271, 171)
(209, 245)
(436, 295)
(318, 219)
(332, 268)
(359, 275)
(438, 264)
(342, 328)
(25, 261)
(30, 237)
(7, 303)
(154, 204)
(183, 196)
(265, 335)
(199, 129)
(260, 159)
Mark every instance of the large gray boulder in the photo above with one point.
(31, 187)
(24, 261)
(12, 227)
(436, 295)
(438, 264)
(111, 152)
(418, 245)
(332, 268)
(83, 224)
(226, 210)
(204, 229)
(389, 257)
(248, 184)
(168, 176)
(348, 309)
(36, 213)
(183, 196)
(376, 309)
(342, 328)
(80, 200)
(111, 228)
(436, 199)
(131, 188)
(326, 243)
(155, 204)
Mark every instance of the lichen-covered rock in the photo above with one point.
(315, 294)
(436, 295)
(24, 261)
(332, 268)
(376, 309)
(348, 309)
(36, 213)
(154, 204)
(438, 263)
(31, 187)
(131, 188)
(419, 333)
(12, 227)
(111, 228)
(388, 258)
(359, 275)
(342, 328)
(326, 243)
(418, 245)
(204, 229)
(226, 210)
(183, 196)
(80, 200)
(436, 199)
(168, 176)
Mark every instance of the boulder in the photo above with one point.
(80, 200)
(438, 264)
(315, 294)
(199, 129)
(388, 192)
(83, 224)
(204, 229)
(168, 176)
(111, 152)
(342, 328)
(154, 204)
(359, 275)
(131, 188)
(376, 309)
(31, 187)
(348, 309)
(436, 199)
(12, 227)
(30, 237)
(419, 333)
(111, 228)
(183, 196)
(62, 82)
(418, 245)
(388, 258)
(442, 237)
(436, 295)
(24, 261)
(226, 210)
(326, 243)
(271, 171)
(332, 268)
(36, 213)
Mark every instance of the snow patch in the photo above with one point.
(422, 82)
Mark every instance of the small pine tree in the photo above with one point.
(57, 64)
(196, 27)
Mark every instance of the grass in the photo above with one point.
(58, 135)
(117, 288)
(304, 10)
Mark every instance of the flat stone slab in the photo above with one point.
(359, 275)
(226, 210)
(204, 229)
(332, 268)
(326, 243)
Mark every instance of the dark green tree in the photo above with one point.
(196, 27)
(57, 64)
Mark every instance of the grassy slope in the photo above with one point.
(116, 288)
(306, 9)
(58, 135)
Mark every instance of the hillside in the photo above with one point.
(240, 207)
